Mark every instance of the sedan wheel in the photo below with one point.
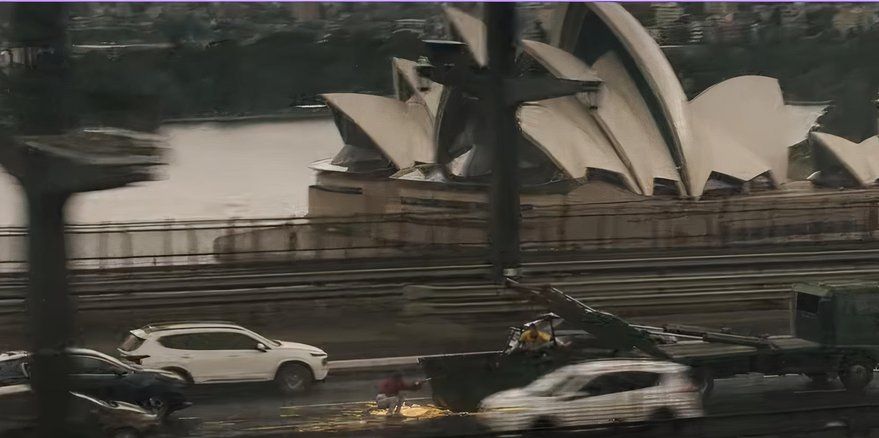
(293, 378)
(159, 405)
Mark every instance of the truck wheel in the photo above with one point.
(293, 378)
(857, 374)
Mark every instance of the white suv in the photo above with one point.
(224, 352)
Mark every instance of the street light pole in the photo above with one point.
(500, 21)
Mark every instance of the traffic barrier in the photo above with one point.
(644, 282)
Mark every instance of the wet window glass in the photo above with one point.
(808, 303)
(620, 382)
(91, 365)
(209, 341)
(180, 342)
(229, 341)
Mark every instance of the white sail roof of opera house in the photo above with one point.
(658, 73)
(620, 112)
(740, 128)
(405, 69)
(861, 160)
(472, 31)
(562, 128)
(401, 130)
(741, 137)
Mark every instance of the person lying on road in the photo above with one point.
(389, 393)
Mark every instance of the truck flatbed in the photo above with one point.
(684, 351)
(697, 349)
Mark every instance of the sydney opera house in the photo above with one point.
(633, 163)
(639, 132)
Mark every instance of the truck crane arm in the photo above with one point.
(604, 326)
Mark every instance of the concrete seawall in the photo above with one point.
(772, 219)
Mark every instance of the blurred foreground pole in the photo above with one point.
(500, 19)
(40, 93)
(53, 161)
(500, 91)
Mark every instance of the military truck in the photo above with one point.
(461, 381)
(834, 333)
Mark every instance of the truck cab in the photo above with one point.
(837, 314)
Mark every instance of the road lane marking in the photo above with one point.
(349, 364)
(810, 391)
(288, 426)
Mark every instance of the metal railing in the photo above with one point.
(617, 225)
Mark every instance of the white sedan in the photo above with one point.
(595, 393)
(224, 352)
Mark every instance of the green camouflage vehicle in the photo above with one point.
(835, 333)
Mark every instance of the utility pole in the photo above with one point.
(52, 161)
(500, 92)
(500, 22)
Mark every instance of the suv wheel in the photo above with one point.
(293, 378)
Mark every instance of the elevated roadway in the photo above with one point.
(372, 310)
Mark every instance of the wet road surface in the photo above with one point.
(343, 406)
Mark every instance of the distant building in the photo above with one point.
(666, 13)
(697, 32)
(794, 23)
(416, 25)
(436, 29)
(764, 12)
(719, 8)
(855, 19)
(534, 19)
(307, 11)
(726, 29)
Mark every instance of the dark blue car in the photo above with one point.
(105, 377)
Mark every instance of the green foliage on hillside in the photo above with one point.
(230, 78)
(816, 69)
